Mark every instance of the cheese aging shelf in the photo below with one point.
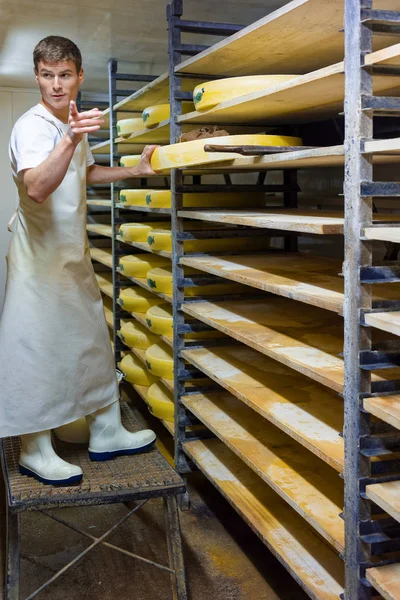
(288, 400)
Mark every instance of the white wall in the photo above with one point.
(13, 103)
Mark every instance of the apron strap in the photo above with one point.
(11, 221)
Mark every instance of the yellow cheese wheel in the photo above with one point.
(137, 266)
(135, 372)
(160, 280)
(76, 432)
(138, 300)
(160, 361)
(138, 232)
(154, 115)
(209, 94)
(131, 160)
(161, 402)
(127, 126)
(162, 240)
(159, 319)
(136, 335)
(162, 199)
(191, 154)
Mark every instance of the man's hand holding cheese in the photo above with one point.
(56, 363)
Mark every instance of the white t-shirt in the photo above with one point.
(34, 136)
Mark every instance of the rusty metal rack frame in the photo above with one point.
(363, 438)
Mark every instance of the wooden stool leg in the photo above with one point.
(12, 557)
(174, 540)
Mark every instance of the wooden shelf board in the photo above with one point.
(311, 488)
(305, 338)
(106, 203)
(105, 283)
(277, 44)
(163, 211)
(306, 411)
(312, 563)
(146, 247)
(387, 496)
(386, 408)
(105, 148)
(143, 283)
(99, 229)
(385, 234)
(314, 96)
(386, 321)
(385, 580)
(302, 220)
(102, 256)
(305, 278)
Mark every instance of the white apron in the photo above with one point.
(56, 362)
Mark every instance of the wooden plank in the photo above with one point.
(386, 580)
(320, 222)
(143, 283)
(99, 229)
(302, 277)
(390, 146)
(387, 496)
(311, 488)
(384, 234)
(105, 283)
(386, 408)
(386, 321)
(306, 411)
(102, 256)
(312, 563)
(146, 247)
(91, 202)
(314, 96)
(104, 148)
(305, 338)
(277, 44)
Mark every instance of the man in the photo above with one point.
(55, 355)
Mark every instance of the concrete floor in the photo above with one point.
(223, 557)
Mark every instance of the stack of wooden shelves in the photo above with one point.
(275, 381)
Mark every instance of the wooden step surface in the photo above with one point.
(102, 255)
(305, 338)
(386, 408)
(313, 280)
(321, 222)
(99, 229)
(313, 564)
(308, 412)
(312, 488)
(386, 580)
(387, 321)
(387, 496)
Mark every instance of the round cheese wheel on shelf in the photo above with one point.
(76, 432)
(160, 361)
(162, 199)
(160, 280)
(126, 127)
(136, 335)
(209, 94)
(192, 154)
(138, 265)
(138, 232)
(154, 115)
(161, 402)
(162, 240)
(159, 319)
(131, 160)
(138, 300)
(142, 197)
(135, 372)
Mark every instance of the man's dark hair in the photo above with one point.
(54, 49)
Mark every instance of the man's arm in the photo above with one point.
(43, 180)
(99, 174)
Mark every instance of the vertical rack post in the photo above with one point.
(358, 214)
(115, 244)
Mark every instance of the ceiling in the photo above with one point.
(132, 31)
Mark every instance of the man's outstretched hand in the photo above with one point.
(84, 122)
(144, 167)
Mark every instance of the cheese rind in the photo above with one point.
(160, 361)
(127, 126)
(138, 300)
(131, 160)
(135, 372)
(138, 232)
(161, 402)
(159, 319)
(136, 335)
(137, 266)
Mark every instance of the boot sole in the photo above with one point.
(100, 456)
(68, 481)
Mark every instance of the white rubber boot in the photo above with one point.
(109, 438)
(38, 459)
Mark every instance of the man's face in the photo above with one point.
(59, 83)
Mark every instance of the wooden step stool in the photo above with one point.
(125, 479)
